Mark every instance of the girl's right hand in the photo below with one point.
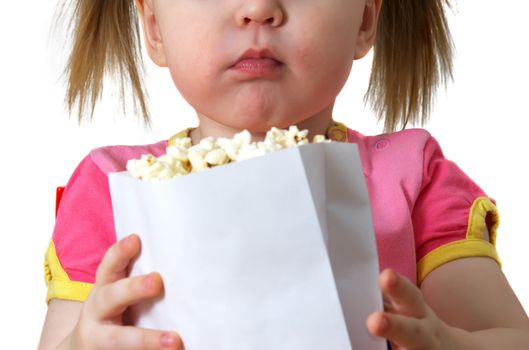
(100, 324)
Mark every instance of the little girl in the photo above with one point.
(254, 64)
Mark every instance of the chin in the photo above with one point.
(259, 123)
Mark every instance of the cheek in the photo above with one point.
(325, 51)
(190, 59)
(188, 39)
(185, 49)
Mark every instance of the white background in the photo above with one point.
(480, 121)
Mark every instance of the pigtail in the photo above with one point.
(106, 42)
(412, 55)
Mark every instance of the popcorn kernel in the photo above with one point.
(183, 158)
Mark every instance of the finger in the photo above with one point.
(116, 260)
(407, 332)
(388, 304)
(405, 297)
(112, 300)
(133, 338)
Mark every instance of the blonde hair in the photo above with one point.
(412, 56)
(106, 41)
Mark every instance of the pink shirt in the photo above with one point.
(426, 211)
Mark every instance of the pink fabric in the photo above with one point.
(419, 201)
(84, 228)
(445, 191)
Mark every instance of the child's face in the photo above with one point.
(313, 42)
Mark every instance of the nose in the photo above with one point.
(264, 12)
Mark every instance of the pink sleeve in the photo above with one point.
(452, 217)
(84, 229)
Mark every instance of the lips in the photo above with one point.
(257, 63)
(257, 54)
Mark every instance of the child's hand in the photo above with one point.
(100, 324)
(408, 321)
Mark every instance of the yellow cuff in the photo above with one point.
(465, 248)
(59, 284)
(483, 218)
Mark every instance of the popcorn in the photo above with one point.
(217, 156)
(196, 157)
(184, 142)
(143, 167)
(178, 152)
(244, 138)
(251, 151)
(183, 158)
(319, 139)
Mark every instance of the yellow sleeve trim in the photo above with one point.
(59, 284)
(483, 218)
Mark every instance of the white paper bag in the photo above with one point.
(275, 252)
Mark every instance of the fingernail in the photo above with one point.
(126, 241)
(167, 340)
(392, 279)
(384, 324)
(147, 283)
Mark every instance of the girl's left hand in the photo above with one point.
(408, 322)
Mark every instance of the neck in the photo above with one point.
(316, 125)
